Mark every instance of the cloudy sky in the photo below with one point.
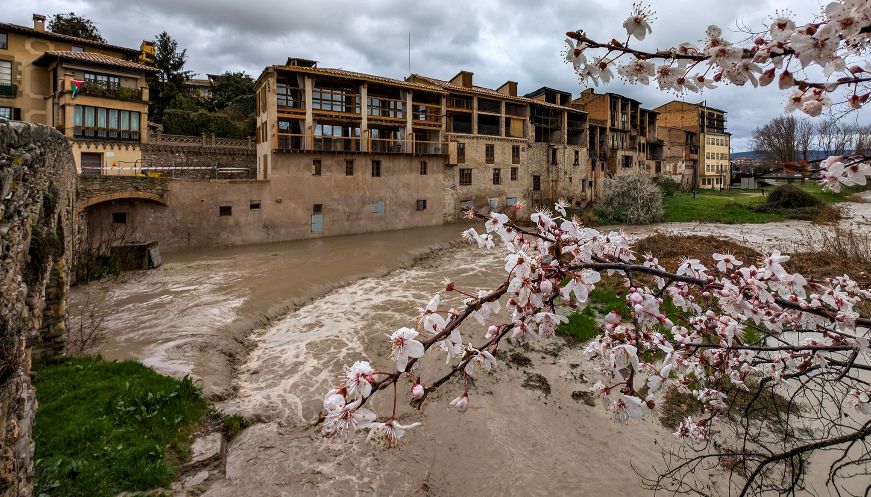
(517, 40)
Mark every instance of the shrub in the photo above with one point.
(183, 122)
(668, 186)
(632, 199)
(792, 202)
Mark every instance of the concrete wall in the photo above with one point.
(37, 226)
(192, 217)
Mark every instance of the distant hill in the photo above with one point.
(812, 155)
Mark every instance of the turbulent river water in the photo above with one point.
(269, 328)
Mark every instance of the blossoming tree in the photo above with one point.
(731, 334)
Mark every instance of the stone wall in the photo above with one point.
(37, 221)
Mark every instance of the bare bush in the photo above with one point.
(86, 330)
(633, 199)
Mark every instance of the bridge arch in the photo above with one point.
(128, 195)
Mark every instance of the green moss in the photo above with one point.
(105, 427)
(233, 425)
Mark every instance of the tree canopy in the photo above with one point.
(74, 25)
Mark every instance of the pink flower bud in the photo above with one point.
(767, 77)
(417, 391)
(786, 80)
(461, 403)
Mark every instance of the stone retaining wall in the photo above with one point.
(37, 226)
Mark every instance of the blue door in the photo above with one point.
(318, 218)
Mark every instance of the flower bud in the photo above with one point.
(417, 391)
(767, 77)
(785, 80)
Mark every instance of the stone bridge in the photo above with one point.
(38, 226)
(97, 189)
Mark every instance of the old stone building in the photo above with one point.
(93, 92)
(709, 124)
(680, 156)
(623, 135)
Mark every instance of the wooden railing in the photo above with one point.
(303, 142)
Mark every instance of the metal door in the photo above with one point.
(92, 164)
(318, 218)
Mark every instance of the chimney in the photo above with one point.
(39, 23)
(463, 78)
(509, 88)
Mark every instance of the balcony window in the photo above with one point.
(104, 80)
(7, 89)
(336, 100)
(289, 96)
(386, 107)
(98, 122)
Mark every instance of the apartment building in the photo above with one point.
(200, 87)
(623, 135)
(714, 170)
(93, 92)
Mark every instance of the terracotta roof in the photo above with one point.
(356, 75)
(92, 58)
(199, 82)
(447, 85)
(17, 28)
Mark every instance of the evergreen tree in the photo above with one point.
(167, 85)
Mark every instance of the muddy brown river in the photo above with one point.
(269, 328)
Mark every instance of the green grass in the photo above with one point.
(609, 295)
(735, 206)
(105, 427)
(728, 207)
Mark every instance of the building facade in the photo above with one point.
(623, 135)
(91, 91)
(709, 124)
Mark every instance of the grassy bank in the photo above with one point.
(735, 206)
(105, 427)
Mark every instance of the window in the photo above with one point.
(5, 73)
(254, 205)
(349, 168)
(490, 153)
(497, 176)
(4, 41)
(225, 210)
(119, 218)
(577, 157)
(553, 157)
(421, 205)
(510, 201)
(316, 167)
(515, 154)
(626, 161)
(514, 173)
(318, 209)
(376, 168)
(104, 80)
(467, 204)
(461, 153)
(6, 112)
(97, 122)
(465, 177)
(78, 49)
(378, 207)
(423, 168)
(536, 183)
(493, 203)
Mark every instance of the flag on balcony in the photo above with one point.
(75, 85)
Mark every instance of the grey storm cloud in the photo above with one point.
(518, 40)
